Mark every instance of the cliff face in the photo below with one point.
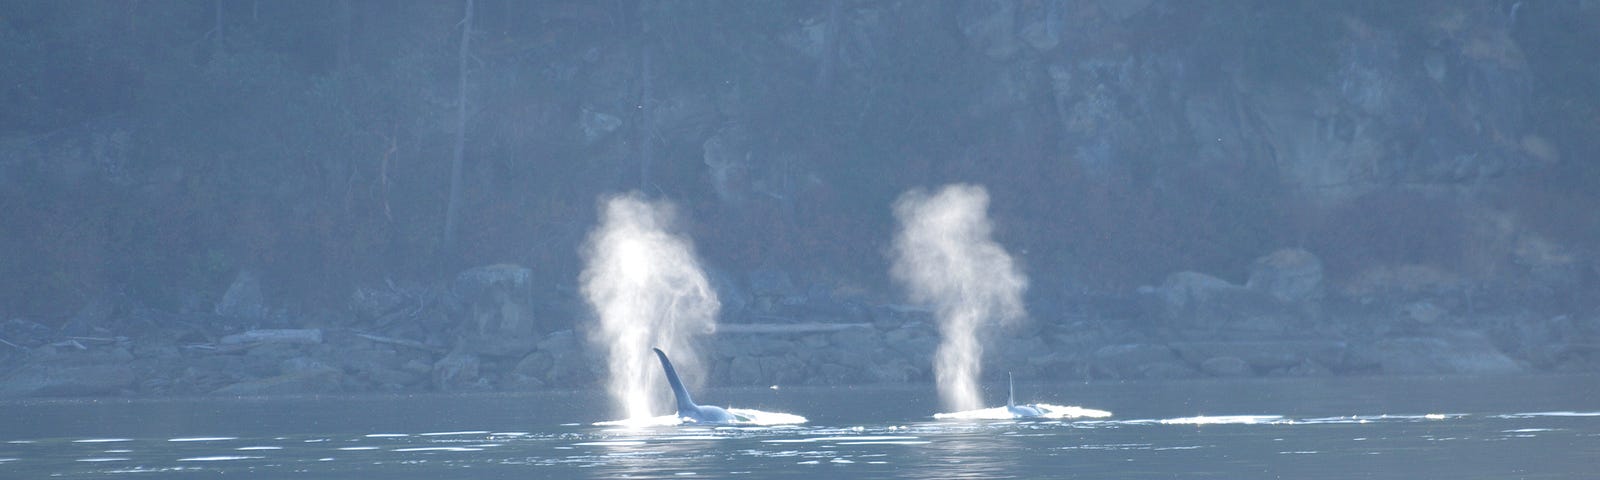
(1433, 158)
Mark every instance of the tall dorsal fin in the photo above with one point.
(685, 404)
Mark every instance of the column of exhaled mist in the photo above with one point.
(646, 289)
(945, 257)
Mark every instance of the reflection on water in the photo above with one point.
(1471, 444)
(942, 449)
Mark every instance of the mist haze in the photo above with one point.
(239, 197)
(945, 257)
(647, 291)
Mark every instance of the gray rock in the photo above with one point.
(1226, 367)
(1451, 352)
(307, 336)
(596, 124)
(522, 383)
(894, 371)
(1122, 10)
(783, 370)
(302, 364)
(1133, 360)
(26, 333)
(455, 371)
(1267, 355)
(1203, 306)
(382, 376)
(314, 380)
(745, 370)
(509, 346)
(859, 339)
(1290, 275)
(1167, 371)
(991, 27)
(244, 298)
(498, 300)
(68, 381)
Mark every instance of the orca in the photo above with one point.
(1019, 411)
(687, 410)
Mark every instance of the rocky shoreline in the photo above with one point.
(487, 331)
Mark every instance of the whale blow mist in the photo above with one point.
(647, 290)
(945, 258)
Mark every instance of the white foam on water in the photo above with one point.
(1048, 411)
(438, 449)
(103, 459)
(353, 449)
(142, 469)
(852, 438)
(441, 434)
(1549, 414)
(120, 450)
(263, 447)
(201, 439)
(1224, 420)
(219, 458)
(888, 442)
(661, 421)
(387, 435)
(742, 417)
(611, 443)
(102, 440)
(22, 442)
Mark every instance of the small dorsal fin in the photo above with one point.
(1011, 391)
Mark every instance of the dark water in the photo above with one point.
(1516, 427)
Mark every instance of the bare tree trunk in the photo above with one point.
(454, 206)
(646, 107)
(347, 20)
(217, 28)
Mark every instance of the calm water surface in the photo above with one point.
(1455, 427)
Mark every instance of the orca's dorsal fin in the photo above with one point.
(685, 404)
(1011, 391)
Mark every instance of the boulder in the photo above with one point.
(1450, 352)
(1136, 360)
(558, 360)
(497, 301)
(1291, 275)
(1264, 356)
(1226, 367)
(1202, 306)
(456, 371)
(244, 298)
